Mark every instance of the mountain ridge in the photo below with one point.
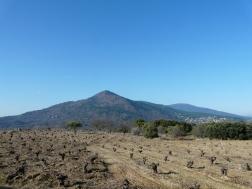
(193, 108)
(107, 105)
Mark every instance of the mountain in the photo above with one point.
(196, 109)
(107, 105)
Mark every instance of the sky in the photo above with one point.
(162, 51)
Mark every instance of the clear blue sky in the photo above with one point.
(163, 51)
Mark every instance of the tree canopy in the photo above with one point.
(74, 125)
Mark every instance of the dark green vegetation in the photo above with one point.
(110, 126)
(225, 130)
(154, 128)
(221, 130)
(74, 125)
(150, 130)
(109, 106)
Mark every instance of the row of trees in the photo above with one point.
(149, 129)
(224, 130)
(101, 125)
(110, 126)
(221, 130)
(155, 128)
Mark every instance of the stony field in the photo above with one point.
(61, 159)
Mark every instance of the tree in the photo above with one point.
(166, 123)
(224, 130)
(74, 125)
(150, 130)
(140, 123)
(178, 131)
(199, 131)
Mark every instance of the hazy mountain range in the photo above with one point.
(107, 105)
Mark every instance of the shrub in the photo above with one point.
(150, 131)
(140, 123)
(186, 127)
(224, 131)
(177, 131)
(165, 123)
(199, 131)
(161, 130)
(74, 125)
(249, 131)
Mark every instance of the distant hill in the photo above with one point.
(107, 105)
(196, 109)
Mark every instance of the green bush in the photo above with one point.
(199, 131)
(178, 131)
(150, 130)
(161, 130)
(186, 127)
(165, 123)
(74, 125)
(224, 130)
(249, 131)
(140, 123)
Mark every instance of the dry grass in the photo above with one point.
(172, 173)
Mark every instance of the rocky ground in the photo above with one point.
(61, 159)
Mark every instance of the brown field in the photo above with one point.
(60, 159)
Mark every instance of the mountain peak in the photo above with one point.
(109, 99)
(105, 94)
